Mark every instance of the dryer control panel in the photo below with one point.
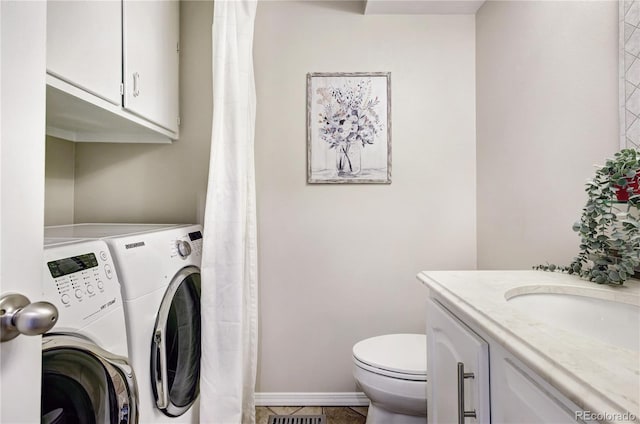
(80, 279)
(187, 245)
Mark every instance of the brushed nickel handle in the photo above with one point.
(462, 414)
(19, 316)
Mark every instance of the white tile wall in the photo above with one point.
(630, 73)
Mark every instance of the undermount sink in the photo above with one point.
(605, 315)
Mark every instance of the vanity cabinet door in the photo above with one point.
(151, 36)
(84, 46)
(449, 343)
(520, 396)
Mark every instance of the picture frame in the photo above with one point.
(349, 128)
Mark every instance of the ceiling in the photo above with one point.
(422, 7)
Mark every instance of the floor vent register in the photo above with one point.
(298, 419)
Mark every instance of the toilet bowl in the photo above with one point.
(392, 372)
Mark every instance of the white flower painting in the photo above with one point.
(348, 128)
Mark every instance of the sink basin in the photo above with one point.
(603, 315)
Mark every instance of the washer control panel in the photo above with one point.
(80, 277)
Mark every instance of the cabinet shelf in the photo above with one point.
(76, 115)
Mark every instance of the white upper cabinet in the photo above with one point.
(112, 70)
(151, 34)
(84, 46)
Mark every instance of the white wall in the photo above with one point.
(157, 183)
(59, 181)
(338, 262)
(547, 109)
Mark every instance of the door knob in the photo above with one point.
(19, 316)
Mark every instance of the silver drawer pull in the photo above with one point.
(462, 414)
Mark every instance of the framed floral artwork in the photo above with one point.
(349, 127)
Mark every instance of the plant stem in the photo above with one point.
(346, 154)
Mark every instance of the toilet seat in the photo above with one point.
(401, 356)
(390, 374)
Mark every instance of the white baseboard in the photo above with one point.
(311, 399)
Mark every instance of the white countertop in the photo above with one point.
(596, 376)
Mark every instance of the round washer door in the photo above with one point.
(84, 384)
(175, 347)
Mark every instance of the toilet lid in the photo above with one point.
(399, 353)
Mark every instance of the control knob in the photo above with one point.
(184, 248)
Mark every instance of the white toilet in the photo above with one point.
(392, 372)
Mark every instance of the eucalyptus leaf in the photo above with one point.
(609, 244)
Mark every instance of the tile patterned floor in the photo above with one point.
(335, 414)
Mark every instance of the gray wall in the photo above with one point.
(59, 178)
(547, 110)
(338, 262)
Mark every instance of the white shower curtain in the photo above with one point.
(229, 261)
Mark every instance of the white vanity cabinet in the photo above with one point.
(112, 70)
(457, 370)
(502, 390)
(541, 370)
(518, 395)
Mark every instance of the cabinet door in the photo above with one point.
(519, 396)
(450, 342)
(151, 35)
(84, 45)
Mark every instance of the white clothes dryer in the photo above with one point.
(159, 267)
(86, 376)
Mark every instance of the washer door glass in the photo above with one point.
(175, 347)
(76, 389)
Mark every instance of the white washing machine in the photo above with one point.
(86, 376)
(159, 268)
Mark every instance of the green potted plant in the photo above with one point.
(609, 227)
